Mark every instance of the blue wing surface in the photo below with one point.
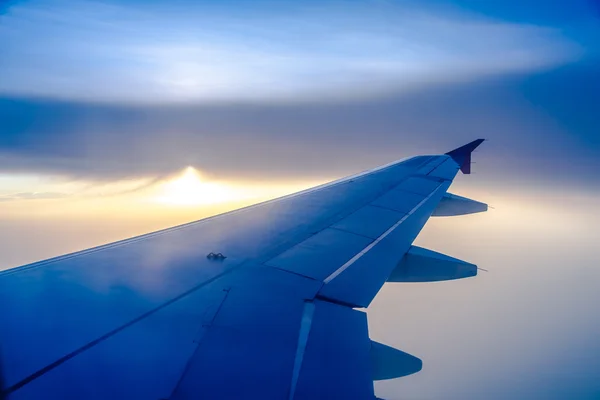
(153, 317)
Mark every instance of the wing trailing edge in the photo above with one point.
(422, 265)
(462, 155)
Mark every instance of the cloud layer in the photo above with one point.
(106, 51)
(541, 126)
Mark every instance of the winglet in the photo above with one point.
(462, 155)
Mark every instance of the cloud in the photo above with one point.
(473, 78)
(535, 129)
(32, 196)
(329, 51)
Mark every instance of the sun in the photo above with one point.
(190, 189)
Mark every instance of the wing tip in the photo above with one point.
(462, 155)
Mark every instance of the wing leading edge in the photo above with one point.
(154, 317)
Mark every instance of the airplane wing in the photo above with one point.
(261, 302)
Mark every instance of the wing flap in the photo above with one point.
(399, 200)
(419, 185)
(369, 221)
(250, 345)
(357, 282)
(318, 255)
(336, 359)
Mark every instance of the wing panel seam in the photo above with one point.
(109, 334)
(305, 326)
(379, 239)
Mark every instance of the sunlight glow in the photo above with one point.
(190, 189)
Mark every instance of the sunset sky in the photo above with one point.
(122, 117)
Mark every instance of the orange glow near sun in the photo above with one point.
(190, 189)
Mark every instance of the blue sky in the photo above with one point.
(105, 102)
